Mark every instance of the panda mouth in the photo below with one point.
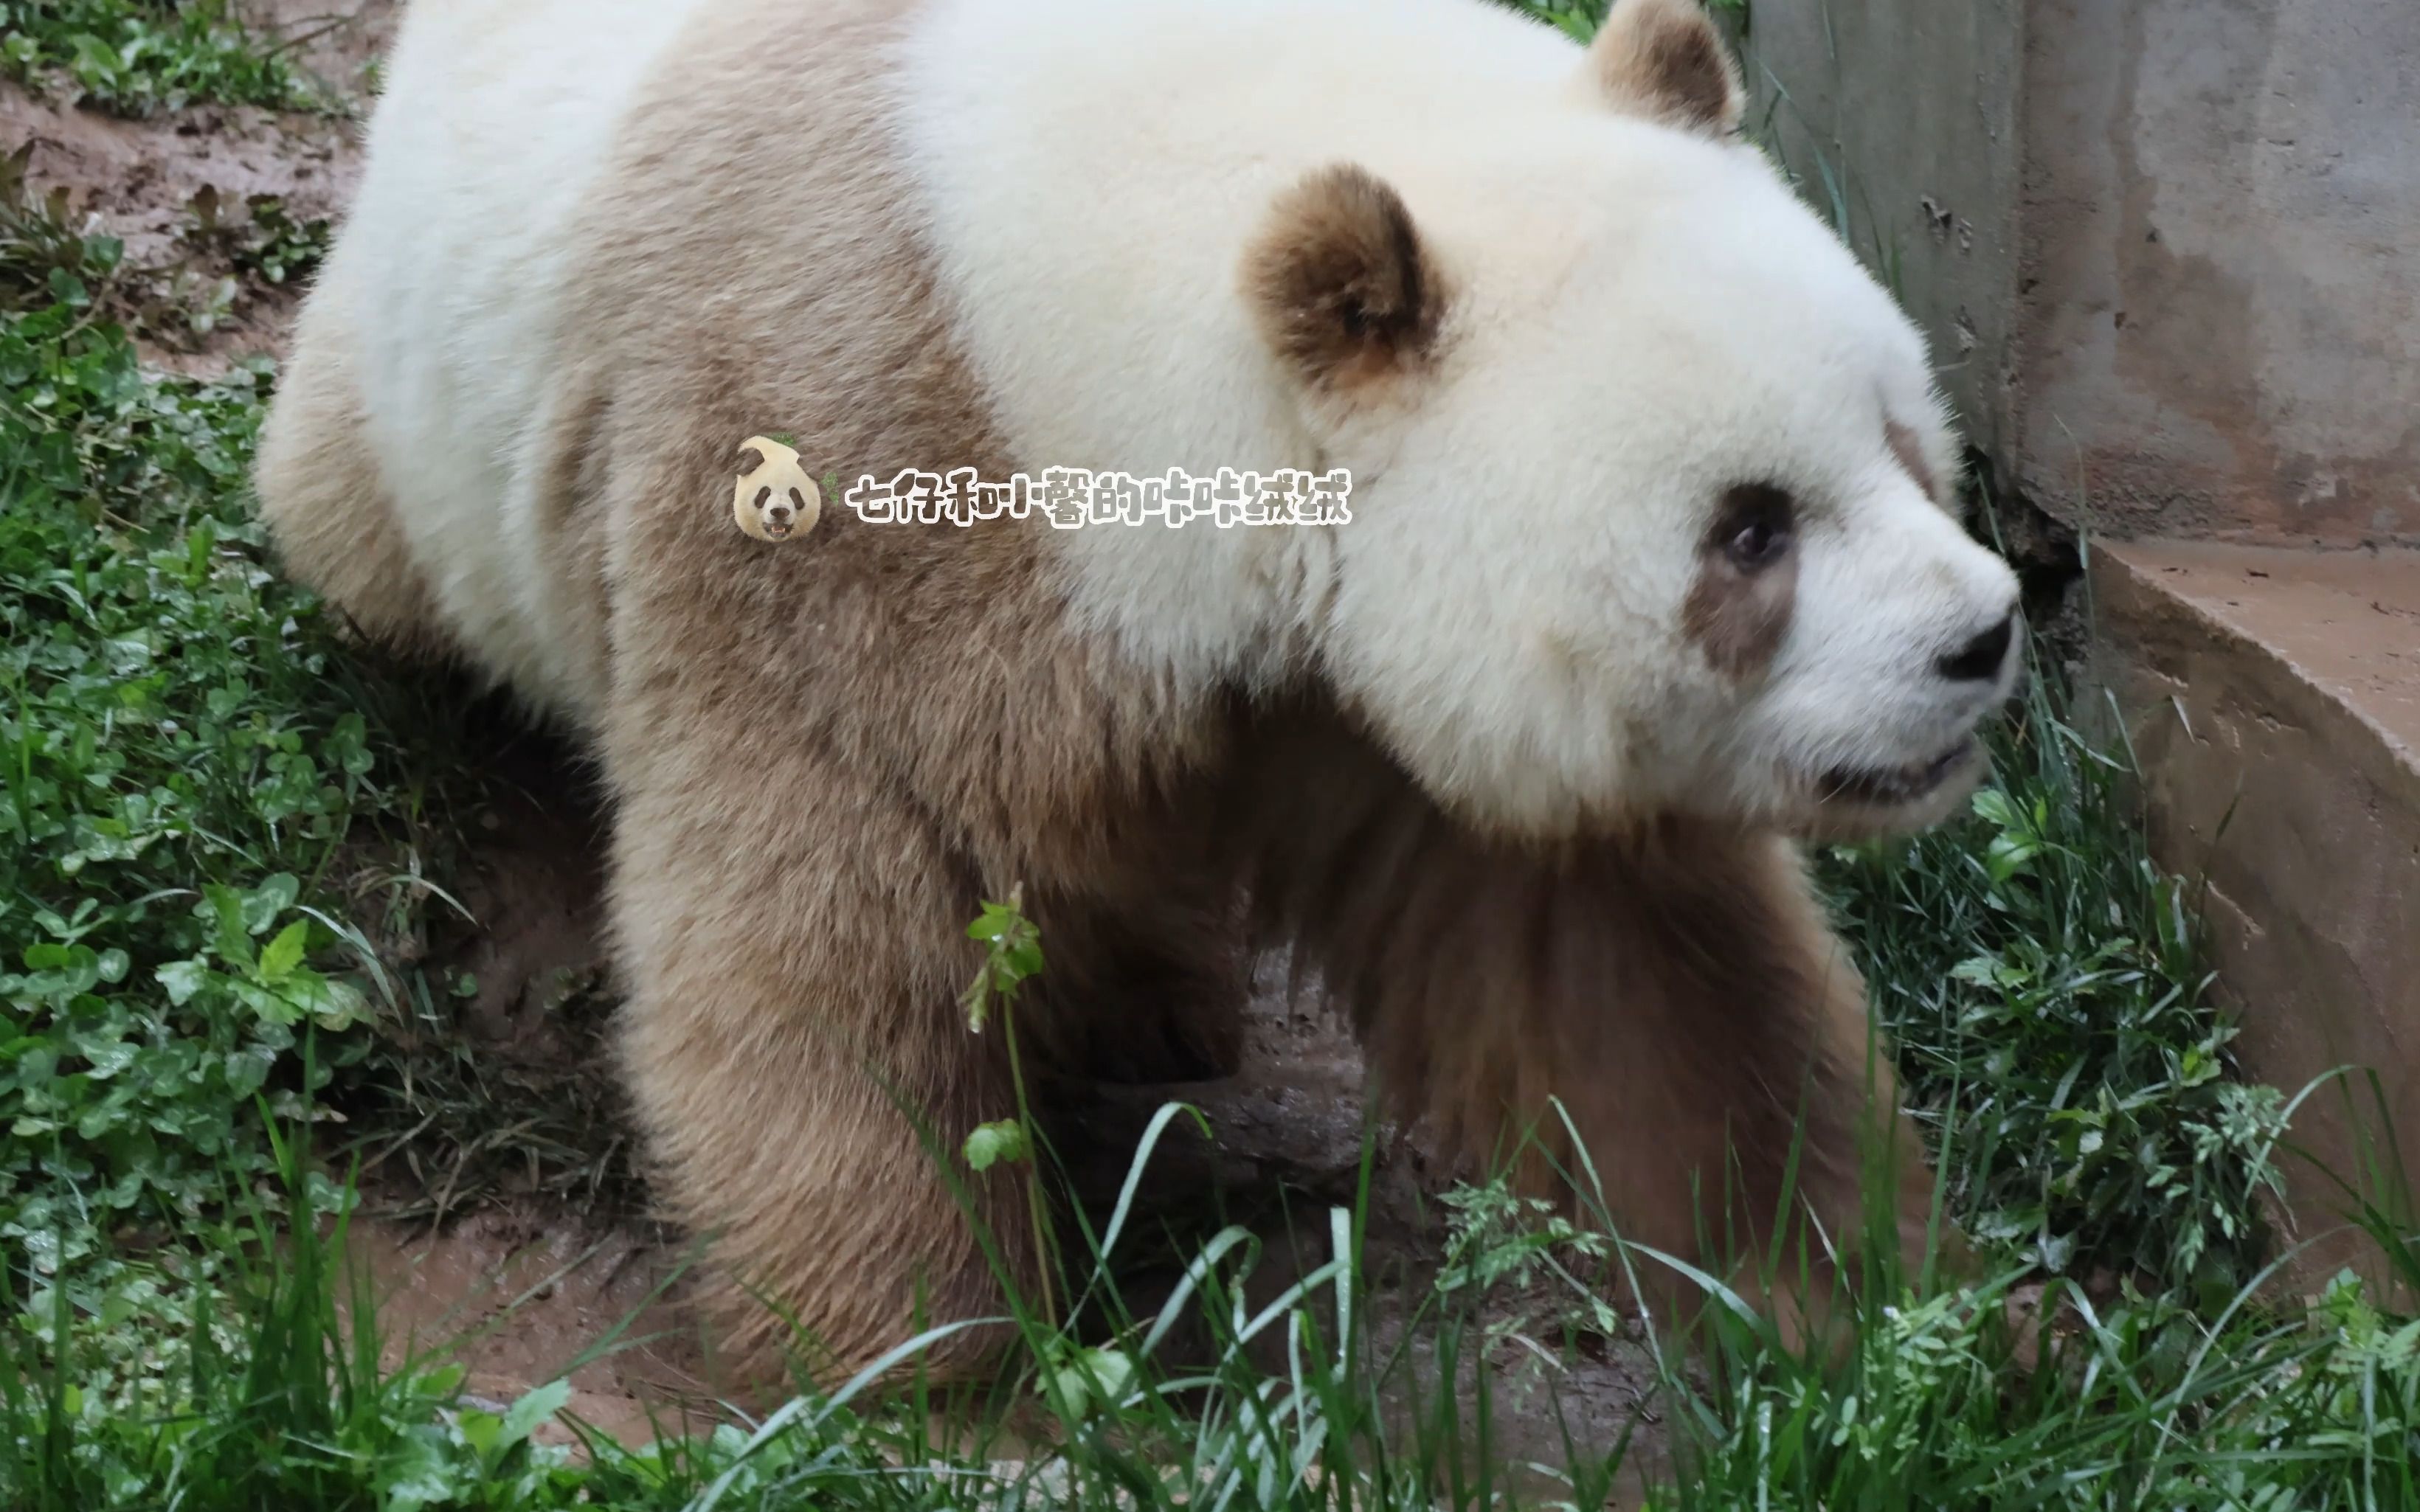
(1891, 787)
(777, 529)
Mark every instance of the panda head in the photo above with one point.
(773, 499)
(1650, 487)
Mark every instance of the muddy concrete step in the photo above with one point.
(2273, 697)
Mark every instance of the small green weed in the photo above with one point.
(265, 240)
(47, 259)
(36, 242)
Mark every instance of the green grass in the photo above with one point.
(180, 767)
(2148, 1405)
(136, 57)
(2046, 987)
(182, 755)
(187, 762)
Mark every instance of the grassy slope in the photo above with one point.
(183, 751)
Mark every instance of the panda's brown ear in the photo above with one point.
(1663, 60)
(749, 460)
(1340, 283)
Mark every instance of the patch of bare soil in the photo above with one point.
(491, 1081)
(156, 183)
(334, 43)
(521, 1295)
(142, 181)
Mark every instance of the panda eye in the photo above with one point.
(762, 494)
(1754, 526)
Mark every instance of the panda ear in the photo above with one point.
(1343, 288)
(1663, 60)
(749, 460)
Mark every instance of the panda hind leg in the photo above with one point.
(322, 497)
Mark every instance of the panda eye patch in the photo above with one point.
(1754, 526)
(762, 494)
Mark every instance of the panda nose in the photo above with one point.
(1979, 660)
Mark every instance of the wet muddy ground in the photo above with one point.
(156, 183)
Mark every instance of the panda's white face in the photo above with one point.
(1658, 523)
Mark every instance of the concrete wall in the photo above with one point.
(2222, 233)
(2272, 699)
(2168, 250)
(1920, 181)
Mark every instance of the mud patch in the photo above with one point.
(521, 1297)
(139, 180)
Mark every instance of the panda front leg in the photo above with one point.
(1706, 1034)
(794, 971)
(1673, 996)
(1734, 1099)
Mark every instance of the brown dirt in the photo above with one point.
(518, 1280)
(498, 1078)
(138, 179)
(332, 42)
(519, 1295)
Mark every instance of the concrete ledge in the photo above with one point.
(2272, 698)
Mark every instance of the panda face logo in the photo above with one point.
(773, 499)
(775, 515)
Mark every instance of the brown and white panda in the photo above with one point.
(1650, 568)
